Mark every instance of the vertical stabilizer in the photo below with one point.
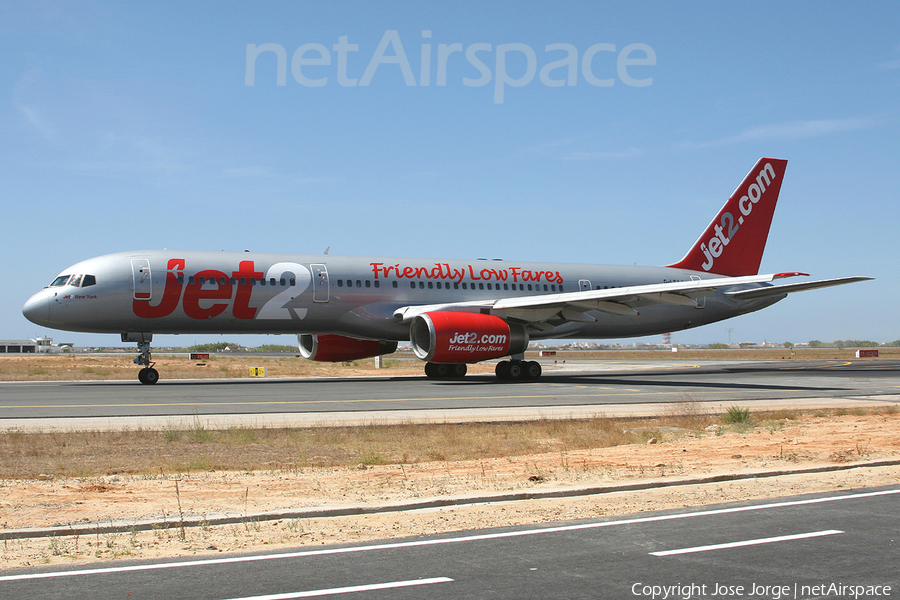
(733, 243)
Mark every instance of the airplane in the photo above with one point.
(453, 312)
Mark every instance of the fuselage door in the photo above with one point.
(584, 285)
(140, 270)
(320, 283)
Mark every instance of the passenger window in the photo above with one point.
(84, 282)
(293, 281)
(455, 285)
(340, 283)
(358, 283)
(430, 285)
(394, 283)
(368, 283)
(480, 286)
(465, 285)
(377, 284)
(412, 285)
(545, 287)
(529, 287)
(489, 286)
(282, 282)
(505, 286)
(421, 285)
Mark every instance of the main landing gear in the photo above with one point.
(518, 370)
(148, 375)
(445, 371)
(507, 370)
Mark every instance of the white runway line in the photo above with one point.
(349, 590)
(771, 540)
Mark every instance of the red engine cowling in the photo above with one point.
(338, 348)
(456, 337)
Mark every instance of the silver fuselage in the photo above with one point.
(169, 292)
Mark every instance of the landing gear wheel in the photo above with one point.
(437, 370)
(148, 376)
(458, 371)
(532, 370)
(502, 370)
(514, 370)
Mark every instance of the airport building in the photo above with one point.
(39, 346)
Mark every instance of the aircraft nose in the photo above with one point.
(37, 309)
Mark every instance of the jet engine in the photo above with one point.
(338, 348)
(457, 337)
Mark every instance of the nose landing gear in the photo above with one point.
(148, 375)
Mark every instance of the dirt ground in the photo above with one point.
(800, 443)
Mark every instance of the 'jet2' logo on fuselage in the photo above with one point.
(200, 300)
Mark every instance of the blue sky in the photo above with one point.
(130, 125)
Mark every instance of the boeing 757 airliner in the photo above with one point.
(454, 312)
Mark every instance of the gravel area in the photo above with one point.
(794, 444)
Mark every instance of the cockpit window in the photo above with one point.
(74, 280)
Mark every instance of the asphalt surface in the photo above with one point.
(835, 545)
(588, 385)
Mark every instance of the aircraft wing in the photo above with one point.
(572, 306)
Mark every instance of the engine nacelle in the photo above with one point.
(338, 348)
(457, 337)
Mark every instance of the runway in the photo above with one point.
(573, 389)
(840, 544)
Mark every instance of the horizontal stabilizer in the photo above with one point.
(788, 288)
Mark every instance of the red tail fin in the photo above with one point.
(733, 243)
